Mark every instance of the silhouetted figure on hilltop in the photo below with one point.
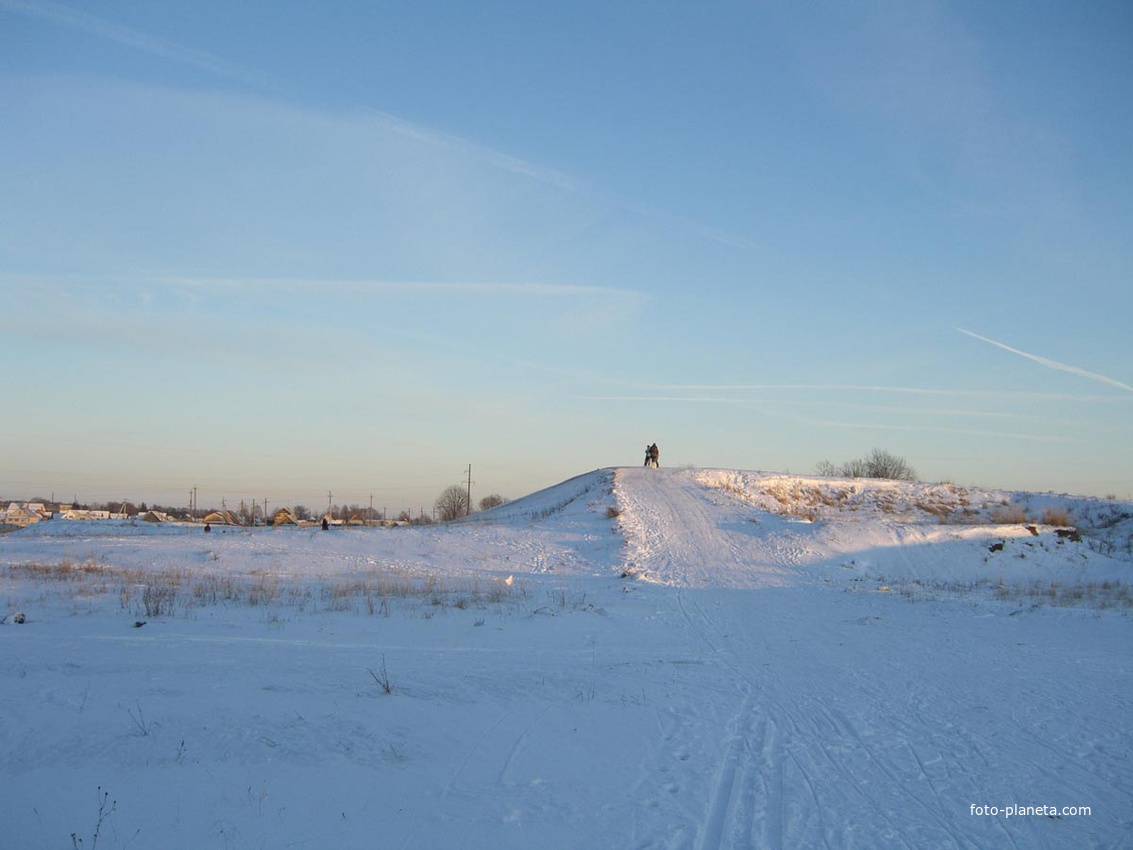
(652, 456)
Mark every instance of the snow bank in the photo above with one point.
(937, 532)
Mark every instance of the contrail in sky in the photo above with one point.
(80, 19)
(1052, 364)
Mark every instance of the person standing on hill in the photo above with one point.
(652, 456)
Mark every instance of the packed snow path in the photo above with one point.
(682, 533)
(750, 691)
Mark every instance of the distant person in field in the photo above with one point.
(652, 456)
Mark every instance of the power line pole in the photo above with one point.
(468, 508)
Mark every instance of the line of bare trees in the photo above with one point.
(453, 503)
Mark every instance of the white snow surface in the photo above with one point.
(634, 658)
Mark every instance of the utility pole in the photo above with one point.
(468, 508)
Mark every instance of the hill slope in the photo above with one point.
(728, 528)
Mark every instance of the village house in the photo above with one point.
(24, 515)
(78, 514)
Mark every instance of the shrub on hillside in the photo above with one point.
(1056, 516)
(1009, 514)
(877, 464)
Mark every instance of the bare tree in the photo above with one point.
(452, 503)
(492, 501)
(827, 469)
(877, 464)
(882, 464)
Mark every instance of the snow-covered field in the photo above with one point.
(631, 659)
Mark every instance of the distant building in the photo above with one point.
(284, 516)
(80, 515)
(24, 515)
(224, 517)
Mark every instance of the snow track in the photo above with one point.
(824, 746)
(675, 535)
(747, 792)
(885, 745)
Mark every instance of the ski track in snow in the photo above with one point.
(675, 536)
(671, 534)
(744, 692)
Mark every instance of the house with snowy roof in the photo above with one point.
(26, 514)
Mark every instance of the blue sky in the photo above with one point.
(278, 249)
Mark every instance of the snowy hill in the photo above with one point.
(632, 658)
(747, 529)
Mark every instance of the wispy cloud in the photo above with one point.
(681, 222)
(500, 160)
(943, 429)
(84, 21)
(153, 316)
(870, 389)
(786, 413)
(421, 288)
(431, 137)
(1053, 364)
